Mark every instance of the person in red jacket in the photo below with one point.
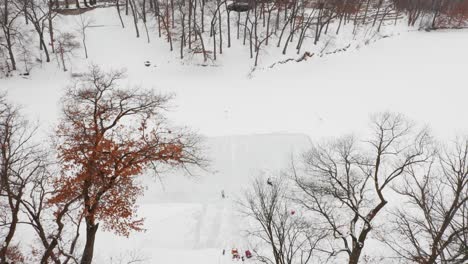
(235, 253)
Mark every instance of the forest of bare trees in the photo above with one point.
(205, 28)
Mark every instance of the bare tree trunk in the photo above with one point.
(11, 55)
(268, 27)
(157, 13)
(144, 20)
(51, 28)
(220, 22)
(143, 11)
(135, 18)
(14, 207)
(62, 57)
(84, 45)
(256, 23)
(355, 255)
(238, 24)
(117, 5)
(197, 31)
(282, 32)
(277, 22)
(286, 43)
(25, 13)
(339, 24)
(172, 13)
(190, 24)
(182, 36)
(356, 16)
(251, 39)
(228, 13)
(258, 51)
(168, 32)
(195, 17)
(88, 250)
(214, 41)
(383, 17)
(9, 45)
(202, 16)
(365, 12)
(303, 32)
(378, 13)
(245, 25)
(44, 47)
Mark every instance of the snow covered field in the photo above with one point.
(186, 219)
(255, 122)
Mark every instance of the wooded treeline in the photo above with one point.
(207, 27)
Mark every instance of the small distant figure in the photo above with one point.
(293, 212)
(223, 195)
(242, 258)
(248, 254)
(224, 252)
(235, 254)
(269, 182)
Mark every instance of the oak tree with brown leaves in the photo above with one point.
(107, 136)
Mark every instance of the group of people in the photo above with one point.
(236, 255)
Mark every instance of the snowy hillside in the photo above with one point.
(426, 67)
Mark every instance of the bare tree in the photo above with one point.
(290, 238)
(21, 160)
(66, 45)
(117, 6)
(432, 226)
(8, 15)
(135, 16)
(345, 183)
(25, 187)
(38, 13)
(84, 23)
(56, 227)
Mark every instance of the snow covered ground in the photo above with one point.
(186, 218)
(278, 110)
